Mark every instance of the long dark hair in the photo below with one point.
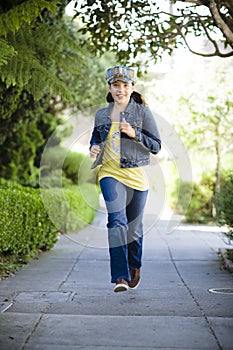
(135, 95)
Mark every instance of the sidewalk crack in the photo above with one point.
(71, 270)
(44, 312)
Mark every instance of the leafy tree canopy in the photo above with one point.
(44, 71)
(26, 58)
(137, 30)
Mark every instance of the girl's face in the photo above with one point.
(121, 91)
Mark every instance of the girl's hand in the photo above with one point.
(94, 151)
(127, 128)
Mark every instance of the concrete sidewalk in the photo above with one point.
(65, 301)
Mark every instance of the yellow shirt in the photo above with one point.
(131, 177)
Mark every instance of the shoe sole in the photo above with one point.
(136, 285)
(120, 288)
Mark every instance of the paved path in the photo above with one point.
(65, 301)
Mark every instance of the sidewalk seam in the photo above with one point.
(71, 270)
(43, 313)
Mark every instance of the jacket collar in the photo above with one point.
(130, 109)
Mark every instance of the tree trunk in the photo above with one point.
(218, 159)
(220, 22)
(217, 167)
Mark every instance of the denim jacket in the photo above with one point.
(134, 152)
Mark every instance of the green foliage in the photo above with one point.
(183, 189)
(44, 72)
(18, 163)
(20, 138)
(204, 116)
(223, 202)
(200, 207)
(21, 52)
(28, 70)
(53, 159)
(7, 51)
(77, 167)
(24, 13)
(209, 112)
(25, 126)
(25, 226)
(28, 60)
(59, 165)
(72, 164)
(31, 219)
(70, 208)
(55, 179)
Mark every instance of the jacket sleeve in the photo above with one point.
(149, 136)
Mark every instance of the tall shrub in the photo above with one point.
(224, 205)
(200, 207)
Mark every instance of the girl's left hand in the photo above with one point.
(127, 128)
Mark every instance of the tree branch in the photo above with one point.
(216, 52)
(220, 23)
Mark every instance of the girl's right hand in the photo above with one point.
(94, 151)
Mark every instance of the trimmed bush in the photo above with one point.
(25, 226)
(224, 204)
(77, 167)
(72, 165)
(72, 208)
(55, 179)
(53, 159)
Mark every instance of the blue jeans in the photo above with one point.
(125, 208)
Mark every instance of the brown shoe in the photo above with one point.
(121, 285)
(135, 278)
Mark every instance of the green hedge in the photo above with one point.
(55, 179)
(72, 208)
(62, 163)
(25, 226)
(224, 204)
(31, 218)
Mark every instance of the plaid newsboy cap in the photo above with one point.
(121, 73)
